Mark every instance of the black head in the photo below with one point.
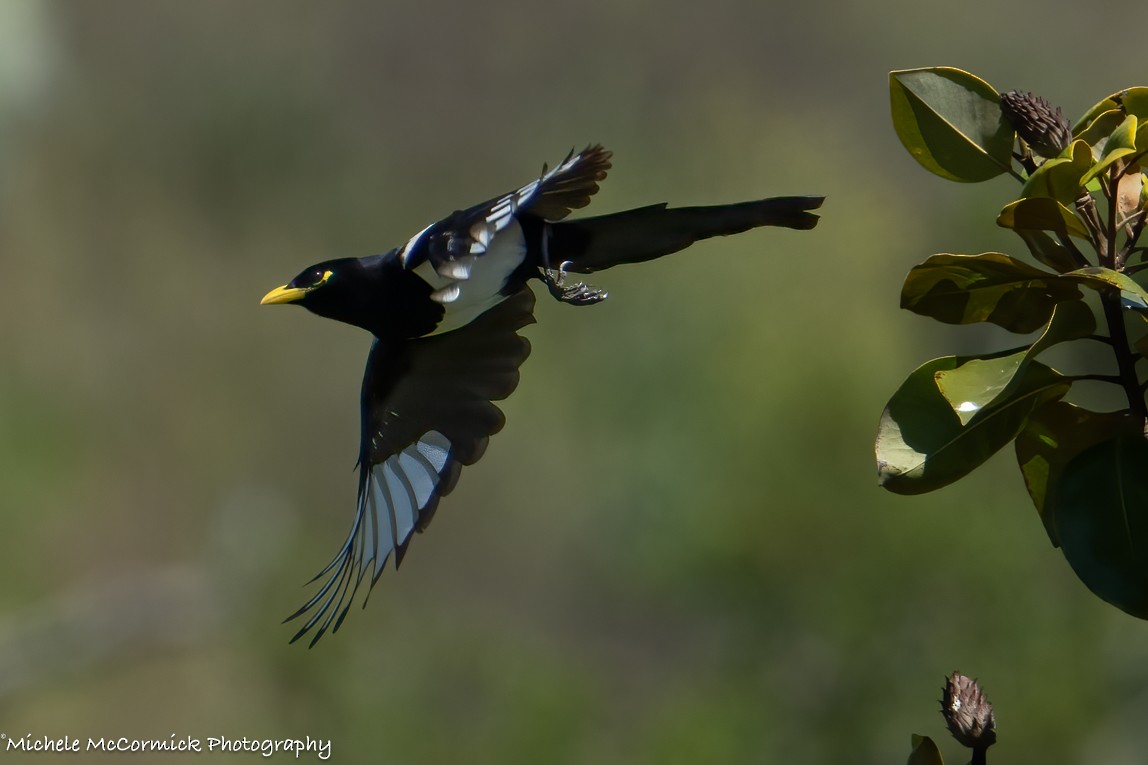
(330, 289)
(374, 293)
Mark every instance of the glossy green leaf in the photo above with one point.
(1140, 141)
(950, 122)
(1071, 320)
(975, 384)
(1129, 101)
(1120, 144)
(1098, 131)
(1099, 509)
(1060, 178)
(925, 752)
(1106, 105)
(1055, 434)
(1042, 214)
(922, 443)
(992, 287)
(1133, 295)
(1135, 101)
(1047, 250)
(980, 383)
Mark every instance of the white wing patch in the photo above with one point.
(434, 447)
(421, 475)
(471, 285)
(409, 247)
(447, 294)
(398, 490)
(458, 269)
(394, 494)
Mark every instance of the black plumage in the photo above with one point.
(445, 310)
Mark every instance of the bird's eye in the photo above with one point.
(311, 278)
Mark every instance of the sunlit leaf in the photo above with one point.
(1128, 101)
(1053, 436)
(1099, 509)
(1042, 214)
(979, 383)
(1086, 120)
(1047, 250)
(1131, 293)
(1135, 101)
(1097, 133)
(950, 121)
(992, 287)
(1060, 178)
(922, 444)
(973, 385)
(1120, 144)
(925, 752)
(1140, 141)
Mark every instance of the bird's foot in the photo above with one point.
(574, 294)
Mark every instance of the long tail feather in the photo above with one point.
(634, 236)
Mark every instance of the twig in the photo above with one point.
(1086, 206)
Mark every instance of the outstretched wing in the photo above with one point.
(426, 412)
(468, 256)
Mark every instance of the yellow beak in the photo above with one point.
(283, 294)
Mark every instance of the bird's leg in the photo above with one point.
(579, 293)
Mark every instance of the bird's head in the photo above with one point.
(374, 293)
(329, 289)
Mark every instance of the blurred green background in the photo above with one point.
(676, 551)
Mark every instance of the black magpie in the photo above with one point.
(445, 309)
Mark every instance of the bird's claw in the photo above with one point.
(574, 294)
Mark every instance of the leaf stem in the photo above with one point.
(1125, 363)
(1115, 261)
(1086, 206)
(1110, 300)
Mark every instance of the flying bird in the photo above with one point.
(445, 309)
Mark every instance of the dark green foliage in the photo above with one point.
(951, 123)
(960, 289)
(1100, 511)
(1080, 213)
